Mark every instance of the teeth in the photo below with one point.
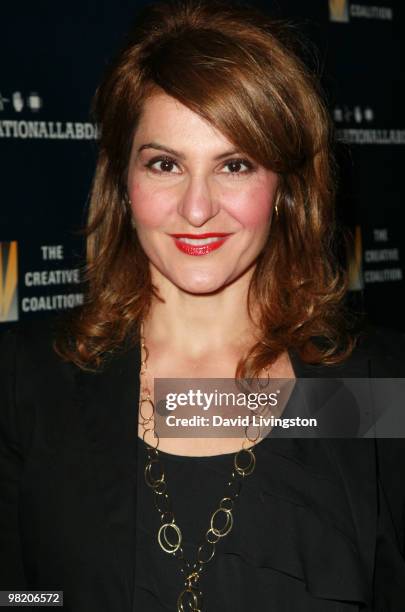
(200, 241)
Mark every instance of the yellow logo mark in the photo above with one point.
(355, 271)
(339, 10)
(8, 281)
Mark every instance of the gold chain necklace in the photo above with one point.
(169, 535)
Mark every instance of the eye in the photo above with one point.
(166, 165)
(235, 165)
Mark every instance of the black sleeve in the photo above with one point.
(387, 351)
(11, 466)
(389, 578)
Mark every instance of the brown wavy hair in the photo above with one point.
(237, 69)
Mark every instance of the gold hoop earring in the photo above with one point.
(276, 210)
(126, 202)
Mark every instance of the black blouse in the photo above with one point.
(292, 546)
(294, 543)
(319, 525)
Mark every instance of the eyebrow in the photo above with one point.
(159, 147)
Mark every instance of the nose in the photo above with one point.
(198, 203)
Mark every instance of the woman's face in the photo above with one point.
(202, 210)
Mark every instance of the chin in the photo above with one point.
(200, 285)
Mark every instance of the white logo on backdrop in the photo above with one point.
(34, 102)
(46, 130)
(341, 11)
(369, 114)
(3, 102)
(348, 114)
(362, 136)
(18, 102)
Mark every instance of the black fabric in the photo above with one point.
(292, 547)
(328, 515)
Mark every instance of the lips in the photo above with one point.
(199, 244)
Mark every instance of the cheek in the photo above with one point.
(253, 207)
(149, 207)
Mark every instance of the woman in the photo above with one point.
(210, 255)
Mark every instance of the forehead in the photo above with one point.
(165, 117)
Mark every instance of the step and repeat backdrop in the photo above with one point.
(51, 62)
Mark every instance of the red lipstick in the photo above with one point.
(199, 244)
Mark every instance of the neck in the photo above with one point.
(196, 324)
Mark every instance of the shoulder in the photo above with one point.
(384, 349)
(379, 352)
(28, 345)
(34, 380)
